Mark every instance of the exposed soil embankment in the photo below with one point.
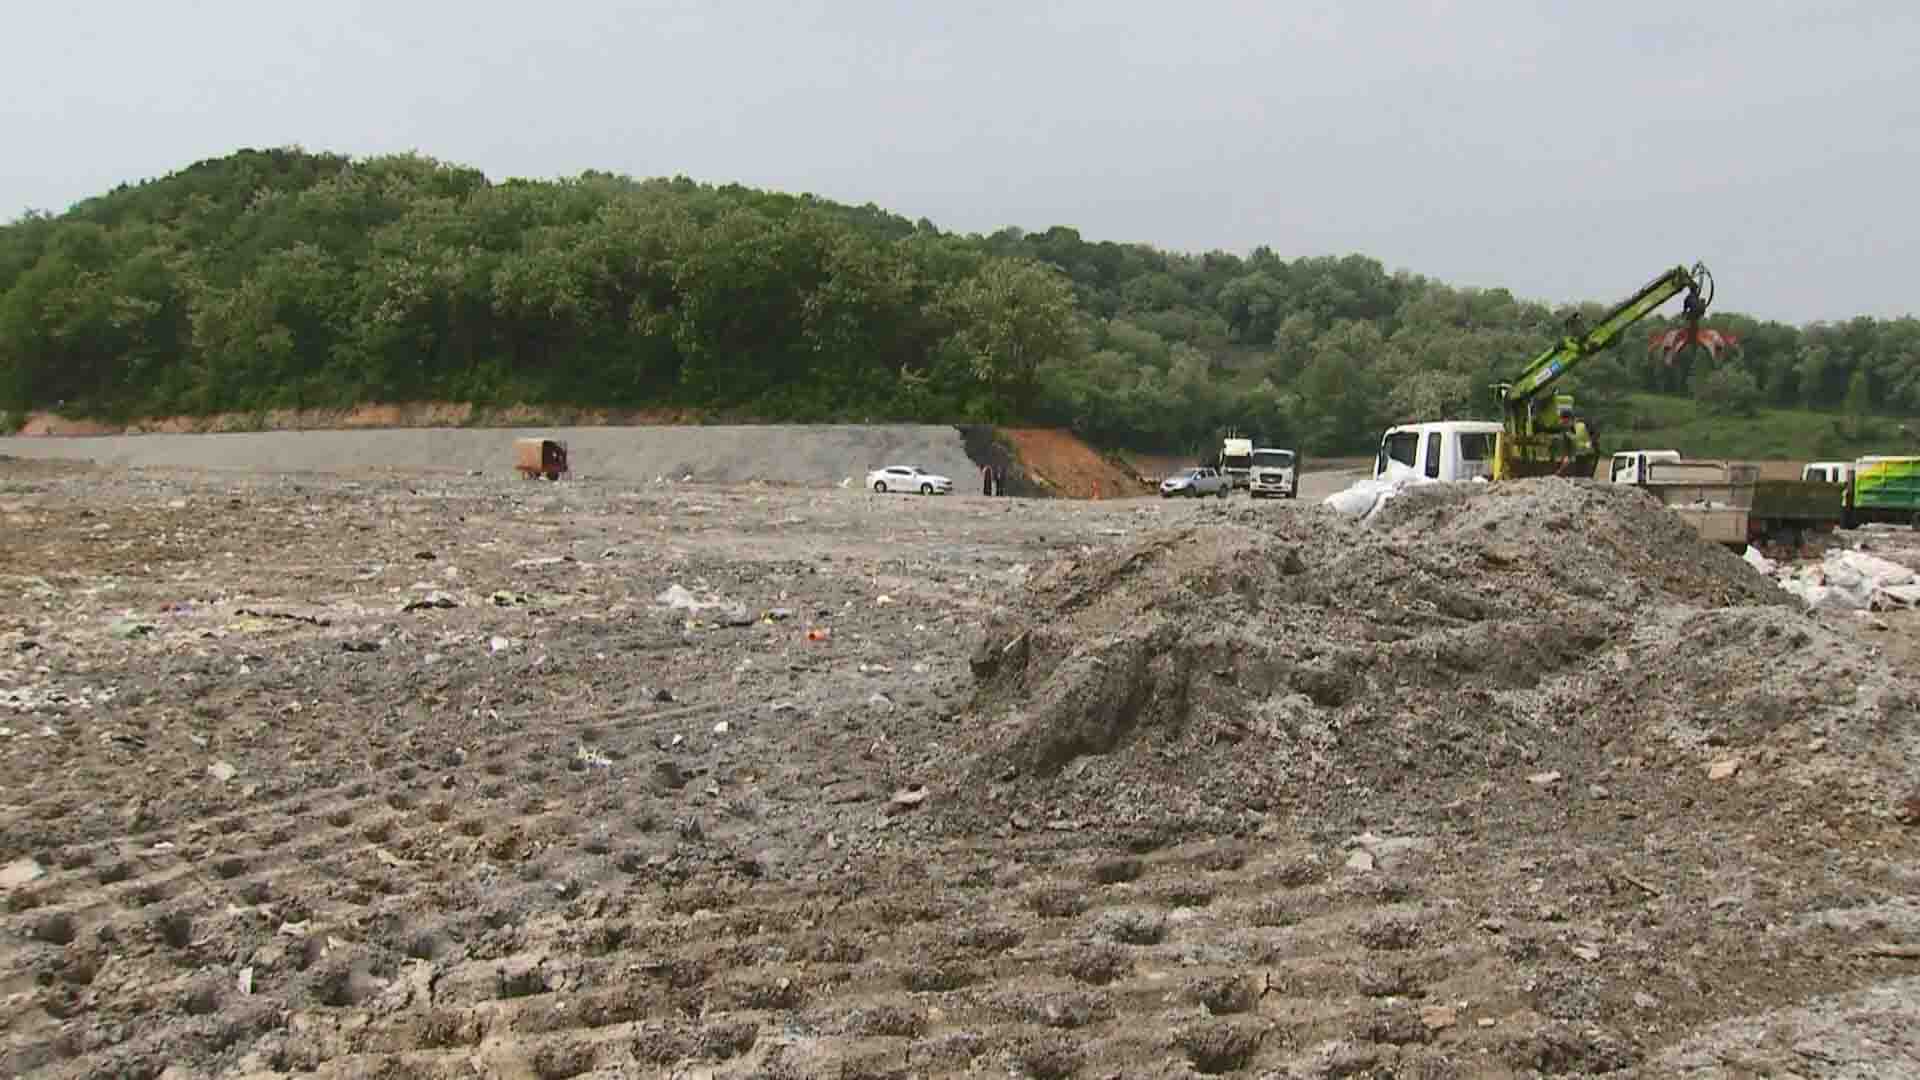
(1059, 463)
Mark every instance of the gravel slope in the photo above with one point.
(785, 454)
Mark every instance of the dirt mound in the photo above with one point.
(1062, 465)
(1248, 662)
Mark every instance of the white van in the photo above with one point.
(1438, 450)
(1630, 466)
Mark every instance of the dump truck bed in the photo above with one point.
(1728, 502)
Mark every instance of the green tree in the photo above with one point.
(1859, 400)
(1728, 391)
(1007, 320)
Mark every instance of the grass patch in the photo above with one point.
(1661, 422)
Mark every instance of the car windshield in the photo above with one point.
(1273, 459)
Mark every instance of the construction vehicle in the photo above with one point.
(1541, 435)
(1832, 472)
(1448, 451)
(535, 458)
(1728, 502)
(1274, 472)
(1879, 489)
(1882, 489)
(1236, 459)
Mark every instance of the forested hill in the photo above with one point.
(286, 279)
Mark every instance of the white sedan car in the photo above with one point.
(908, 478)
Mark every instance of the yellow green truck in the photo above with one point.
(1879, 489)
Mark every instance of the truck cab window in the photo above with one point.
(1402, 446)
(1433, 455)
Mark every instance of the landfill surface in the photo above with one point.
(450, 776)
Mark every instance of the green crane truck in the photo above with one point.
(1541, 435)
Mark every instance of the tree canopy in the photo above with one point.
(287, 279)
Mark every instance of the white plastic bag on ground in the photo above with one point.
(1904, 595)
(1357, 500)
(1881, 573)
(1854, 581)
(1365, 497)
(1760, 563)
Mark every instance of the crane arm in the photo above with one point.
(1556, 361)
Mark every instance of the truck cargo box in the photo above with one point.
(540, 457)
(1886, 488)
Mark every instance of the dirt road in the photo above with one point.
(444, 776)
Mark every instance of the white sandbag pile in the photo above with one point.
(1365, 497)
(1847, 581)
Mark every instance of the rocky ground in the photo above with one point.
(446, 776)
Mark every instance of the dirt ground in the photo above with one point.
(448, 776)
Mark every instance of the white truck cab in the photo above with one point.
(1274, 472)
(1828, 472)
(1444, 450)
(1630, 466)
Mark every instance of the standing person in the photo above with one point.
(986, 480)
(1000, 481)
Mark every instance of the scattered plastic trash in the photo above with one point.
(431, 601)
(679, 598)
(1850, 581)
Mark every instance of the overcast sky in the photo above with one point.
(1562, 150)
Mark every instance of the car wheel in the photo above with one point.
(879, 487)
(926, 489)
